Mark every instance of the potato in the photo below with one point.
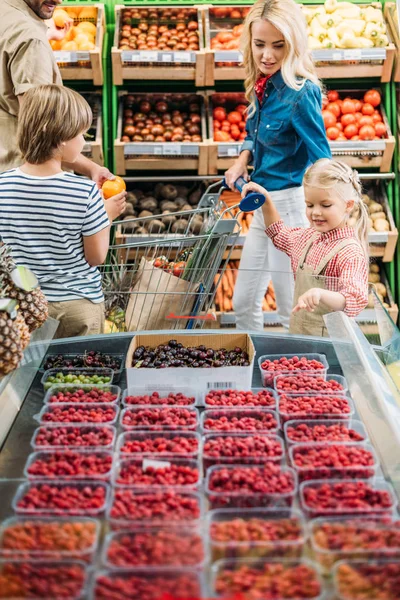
(132, 198)
(196, 225)
(149, 203)
(378, 215)
(381, 225)
(194, 197)
(374, 268)
(141, 231)
(168, 219)
(374, 207)
(186, 207)
(179, 201)
(366, 198)
(155, 226)
(381, 289)
(180, 226)
(145, 213)
(170, 206)
(128, 212)
(373, 278)
(183, 191)
(169, 192)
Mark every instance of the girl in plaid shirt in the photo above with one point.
(329, 258)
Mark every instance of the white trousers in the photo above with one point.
(261, 262)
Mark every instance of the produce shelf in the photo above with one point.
(392, 20)
(153, 63)
(93, 147)
(78, 65)
(163, 156)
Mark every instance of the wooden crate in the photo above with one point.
(82, 65)
(160, 156)
(394, 32)
(158, 64)
(93, 149)
(383, 244)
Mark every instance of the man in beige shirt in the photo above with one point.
(27, 60)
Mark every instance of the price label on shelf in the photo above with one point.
(353, 54)
(158, 150)
(149, 463)
(148, 56)
(65, 57)
(182, 57)
(167, 57)
(172, 149)
(233, 151)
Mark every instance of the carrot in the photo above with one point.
(265, 306)
(270, 300)
(219, 297)
(227, 305)
(225, 284)
(231, 282)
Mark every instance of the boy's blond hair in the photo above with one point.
(297, 65)
(50, 115)
(336, 175)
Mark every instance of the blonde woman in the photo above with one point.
(329, 258)
(285, 134)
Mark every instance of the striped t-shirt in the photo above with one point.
(43, 220)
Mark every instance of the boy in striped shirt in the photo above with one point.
(55, 222)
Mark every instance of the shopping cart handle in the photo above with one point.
(251, 201)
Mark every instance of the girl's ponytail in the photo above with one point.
(361, 215)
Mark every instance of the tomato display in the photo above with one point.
(229, 117)
(352, 118)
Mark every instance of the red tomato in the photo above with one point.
(329, 118)
(380, 129)
(332, 133)
(219, 113)
(334, 108)
(235, 134)
(365, 120)
(242, 125)
(222, 136)
(357, 105)
(372, 97)
(339, 126)
(348, 119)
(350, 131)
(234, 117)
(367, 109)
(241, 108)
(333, 95)
(342, 137)
(355, 138)
(217, 124)
(348, 107)
(367, 132)
(225, 128)
(358, 116)
(243, 135)
(377, 118)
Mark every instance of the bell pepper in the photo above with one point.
(327, 21)
(331, 5)
(364, 42)
(349, 39)
(309, 13)
(372, 30)
(382, 41)
(350, 12)
(327, 43)
(317, 31)
(334, 38)
(314, 43)
(356, 25)
(373, 14)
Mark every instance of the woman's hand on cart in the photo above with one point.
(308, 301)
(115, 205)
(234, 173)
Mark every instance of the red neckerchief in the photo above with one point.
(260, 85)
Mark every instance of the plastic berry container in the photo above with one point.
(244, 399)
(300, 575)
(44, 417)
(172, 547)
(272, 523)
(330, 412)
(354, 507)
(84, 486)
(140, 394)
(163, 507)
(272, 443)
(360, 579)
(154, 582)
(66, 388)
(338, 380)
(46, 457)
(248, 499)
(104, 376)
(94, 435)
(268, 376)
(356, 534)
(354, 471)
(50, 538)
(43, 579)
(230, 420)
(123, 477)
(138, 436)
(117, 372)
(191, 414)
(357, 432)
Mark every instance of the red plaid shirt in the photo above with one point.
(260, 85)
(348, 268)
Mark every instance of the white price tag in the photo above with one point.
(233, 151)
(182, 57)
(353, 54)
(149, 463)
(167, 57)
(337, 56)
(158, 149)
(64, 57)
(172, 149)
(148, 56)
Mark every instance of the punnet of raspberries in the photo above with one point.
(79, 413)
(261, 420)
(349, 535)
(152, 586)
(268, 581)
(175, 473)
(42, 580)
(163, 443)
(256, 529)
(307, 383)
(74, 436)
(70, 464)
(177, 399)
(241, 448)
(155, 507)
(171, 417)
(81, 395)
(62, 499)
(362, 579)
(330, 461)
(155, 547)
(227, 398)
(320, 431)
(333, 498)
(313, 407)
(271, 368)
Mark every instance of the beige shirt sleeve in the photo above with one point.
(32, 65)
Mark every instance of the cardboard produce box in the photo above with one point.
(200, 380)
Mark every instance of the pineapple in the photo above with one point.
(14, 336)
(21, 284)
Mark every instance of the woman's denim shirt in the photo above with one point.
(286, 134)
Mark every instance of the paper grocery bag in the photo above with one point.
(159, 300)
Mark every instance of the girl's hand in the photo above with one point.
(254, 187)
(115, 205)
(308, 301)
(57, 33)
(236, 171)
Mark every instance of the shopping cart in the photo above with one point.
(162, 271)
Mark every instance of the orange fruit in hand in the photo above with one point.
(61, 17)
(111, 187)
